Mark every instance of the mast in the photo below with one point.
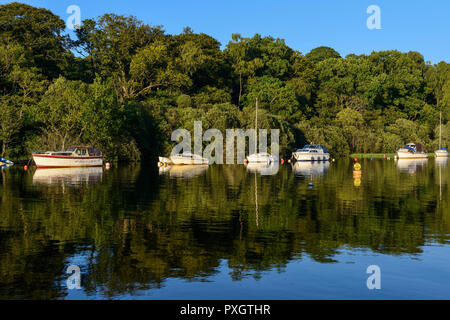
(256, 128)
(440, 130)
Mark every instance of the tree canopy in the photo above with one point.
(122, 84)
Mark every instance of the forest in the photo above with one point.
(123, 86)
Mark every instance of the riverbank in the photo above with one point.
(372, 155)
(381, 155)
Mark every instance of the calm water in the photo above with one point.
(227, 232)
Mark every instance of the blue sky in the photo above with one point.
(422, 26)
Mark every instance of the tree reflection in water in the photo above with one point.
(135, 228)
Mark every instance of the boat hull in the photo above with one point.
(311, 157)
(181, 161)
(264, 159)
(411, 155)
(441, 153)
(49, 161)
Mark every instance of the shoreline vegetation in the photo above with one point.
(124, 86)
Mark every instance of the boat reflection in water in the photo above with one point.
(184, 172)
(441, 162)
(263, 168)
(68, 176)
(310, 169)
(411, 165)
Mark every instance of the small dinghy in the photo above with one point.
(5, 163)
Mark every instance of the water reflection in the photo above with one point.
(133, 230)
(184, 172)
(263, 168)
(68, 176)
(441, 162)
(307, 169)
(411, 166)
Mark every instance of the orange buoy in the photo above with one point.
(282, 161)
(25, 168)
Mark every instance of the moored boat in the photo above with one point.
(442, 152)
(5, 163)
(262, 157)
(72, 157)
(188, 158)
(312, 152)
(412, 151)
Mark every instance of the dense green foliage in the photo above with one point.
(125, 86)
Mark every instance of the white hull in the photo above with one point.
(411, 155)
(262, 158)
(441, 153)
(188, 160)
(49, 161)
(302, 156)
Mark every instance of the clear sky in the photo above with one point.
(406, 25)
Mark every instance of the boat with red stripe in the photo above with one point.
(72, 157)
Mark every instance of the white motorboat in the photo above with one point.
(312, 152)
(262, 157)
(442, 152)
(412, 151)
(188, 158)
(72, 157)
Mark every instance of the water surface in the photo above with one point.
(227, 232)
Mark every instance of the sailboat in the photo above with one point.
(262, 157)
(442, 152)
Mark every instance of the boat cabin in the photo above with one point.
(77, 152)
(415, 147)
(313, 148)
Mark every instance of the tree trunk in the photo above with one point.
(240, 89)
(3, 149)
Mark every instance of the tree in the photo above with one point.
(152, 68)
(111, 42)
(22, 86)
(322, 53)
(244, 64)
(40, 32)
(274, 96)
(351, 123)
